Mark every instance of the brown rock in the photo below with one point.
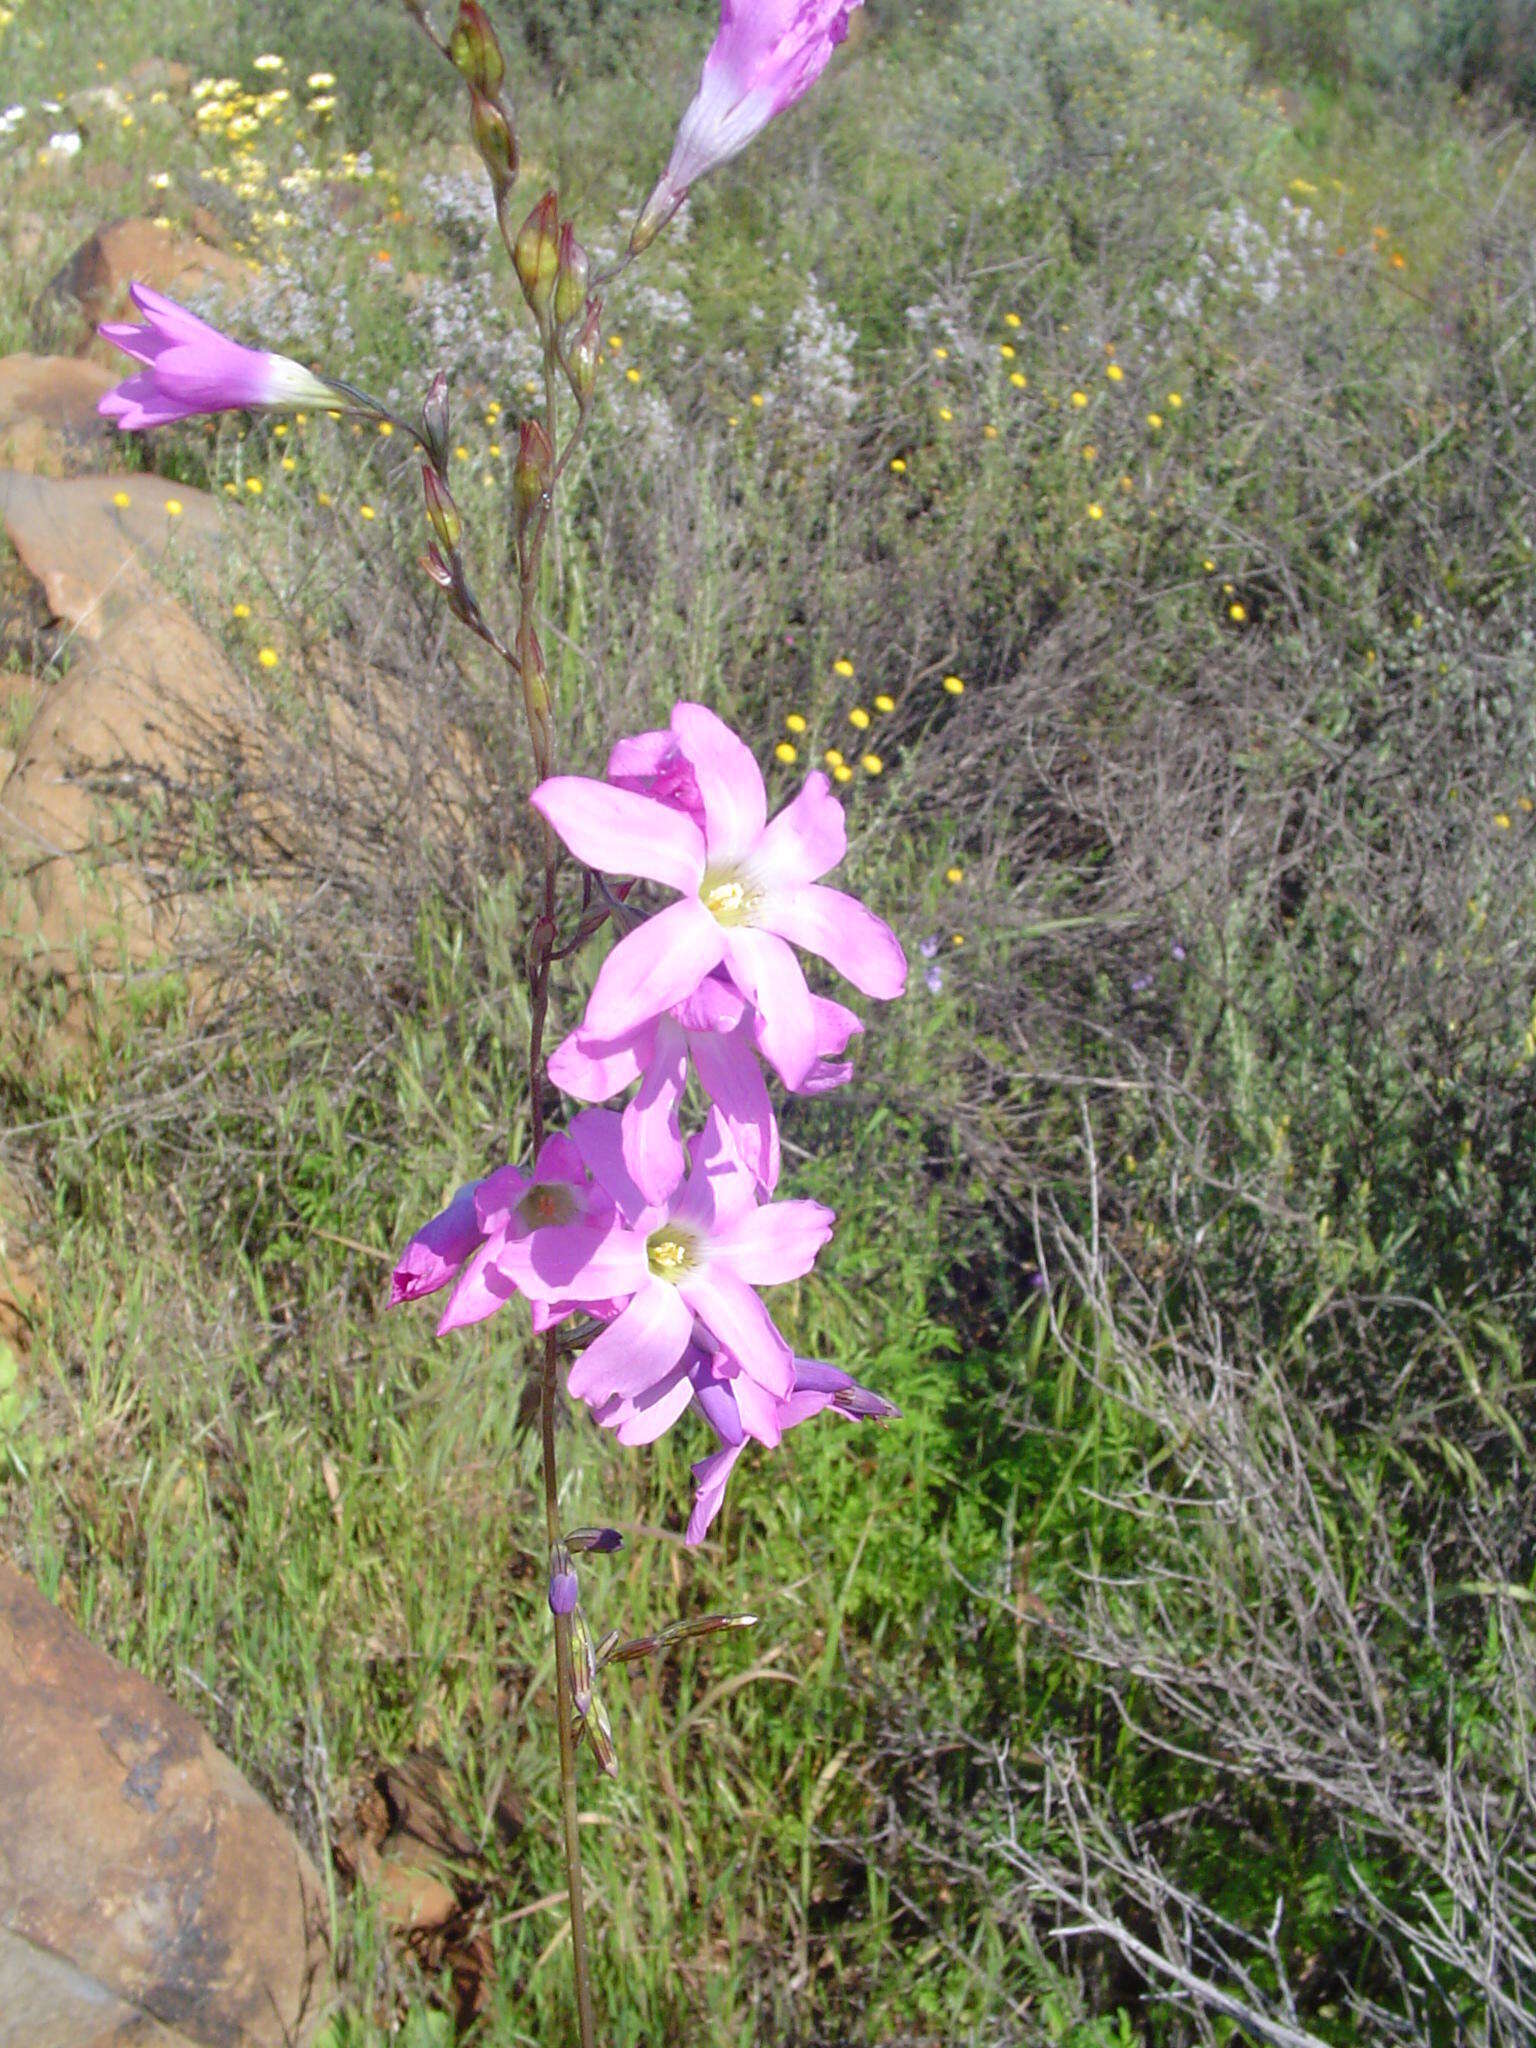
(48, 418)
(85, 896)
(93, 285)
(92, 555)
(148, 1896)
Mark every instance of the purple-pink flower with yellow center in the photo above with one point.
(691, 1262)
(766, 53)
(748, 892)
(192, 368)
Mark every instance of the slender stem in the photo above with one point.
(564, 1690)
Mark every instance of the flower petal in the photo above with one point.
(709, 1479)
(841, 930)
(775, 1243)
(736, 1319)
(635, 1351)
(484, 1286)
(621, 833)
(436, 1252)
(731, 1078)
(655, 967)
(768, 973)
(806, 840)
(653, 1145)
(593, 1069)
(651, 1414)
(730, 781)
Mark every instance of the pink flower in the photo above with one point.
(543, 1237)
(695, 1258)
(748, 889)
(192, 368)
(716, 1028)
(765, 55)
(817, 1386)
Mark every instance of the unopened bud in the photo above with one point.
(586, 352)
(530, 472)
(536, 253)
(865, 1406)
(594, 1539)
(493, 138)
(563, 1589)
(437, 568)
(442, 513)
(570, 277)
(474, 49)
(678, 1632)
(434, 419)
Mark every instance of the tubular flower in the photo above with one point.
(694, 1259)
(191, 368)
(748, 891)
(715, 1381)
(716, 1028)
(766, 53)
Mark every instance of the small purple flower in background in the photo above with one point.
(192, 368)
(933, 980)
(1140, 984)
(1177, 950)
(766, 53)
(928, 947)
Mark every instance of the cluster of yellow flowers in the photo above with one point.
(860, 716)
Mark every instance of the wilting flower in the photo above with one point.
(748, 891)
(694, 1259)
(714, 1386)
(764, 56)
(716, 1028)
(191, 367)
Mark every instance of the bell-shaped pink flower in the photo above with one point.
(696, 1258)
(192, 368)
(716, 1030)
(748, 891)
(764, 56)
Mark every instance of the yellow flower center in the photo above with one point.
(670, 1255)
(727, 897)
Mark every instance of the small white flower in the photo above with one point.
(65, 143)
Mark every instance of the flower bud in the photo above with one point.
(586, 352)
(530, 473)
(563, 1589)
(442, 513)
(493, 138)
(570, 277)
(474, 49)
(536, 253)
(437, 568)
(594, 1539)
(434, 419)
